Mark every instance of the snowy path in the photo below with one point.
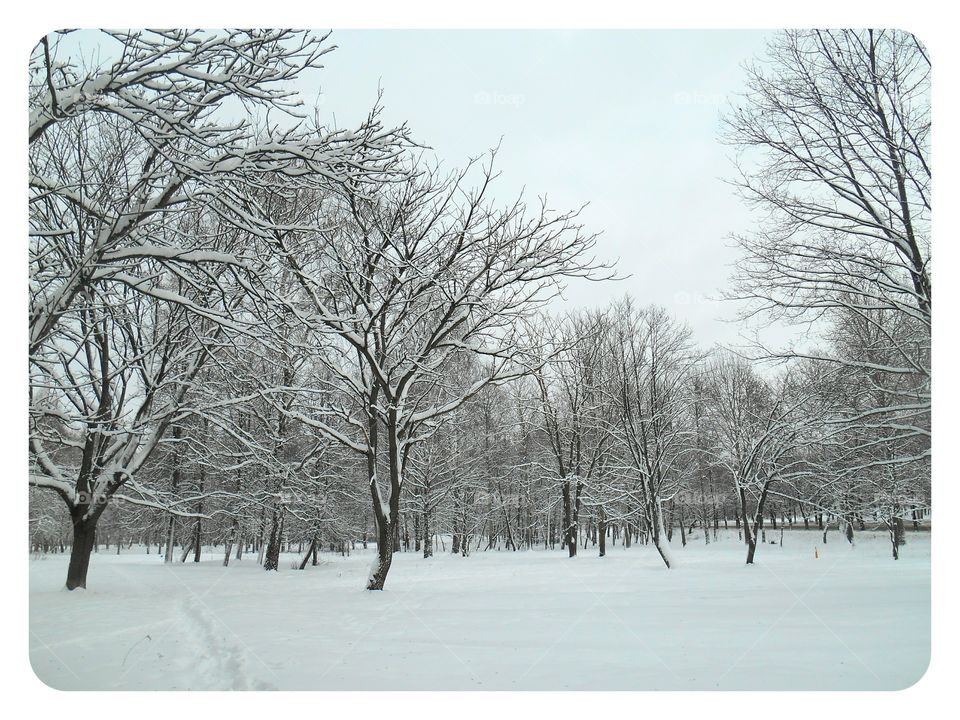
(852, 619)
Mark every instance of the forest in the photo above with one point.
(252, 333)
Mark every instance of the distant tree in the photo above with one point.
(833, 136)
(654, 360)
(575, 408)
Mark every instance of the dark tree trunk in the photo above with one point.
(683, 533)
(602, 532)
(897, 536)
(84, 532)
(271, 560)
(310, 551)
(427, 535)
(750, 529)
(186, 551)
(387, 519)
(848, 528)
(385, 536)
(569, 524)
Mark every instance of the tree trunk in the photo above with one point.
(848, 528)
(427, 539)
(385, 536)
(569, 534)
(602, 532)
(186, 552)
(683, 534)
(310, 551)
(84, 531)
(897, 536)
(231, 538)
(660, 542)
(271, 559)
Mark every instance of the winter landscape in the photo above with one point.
(356, 364)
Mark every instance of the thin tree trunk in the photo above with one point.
(602, 531)
(310, 551)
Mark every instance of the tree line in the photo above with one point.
(251, 330)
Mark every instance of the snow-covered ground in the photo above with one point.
(851, 619)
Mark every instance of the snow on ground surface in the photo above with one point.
(534, 620)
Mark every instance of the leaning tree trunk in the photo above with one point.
(653, 517)
(231, 539)
(310, 551)
(751, 528)
(848, 527)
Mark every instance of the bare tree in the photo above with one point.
(834, 140)
(758, 432)
(116, 149)
(138, 180)
(404, 280)
(575, 408)
(654, 359)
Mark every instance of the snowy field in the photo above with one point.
(852, 619)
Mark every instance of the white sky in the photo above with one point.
(626, 121)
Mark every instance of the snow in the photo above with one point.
(851, 619)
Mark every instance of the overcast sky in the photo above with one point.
(626, 121)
